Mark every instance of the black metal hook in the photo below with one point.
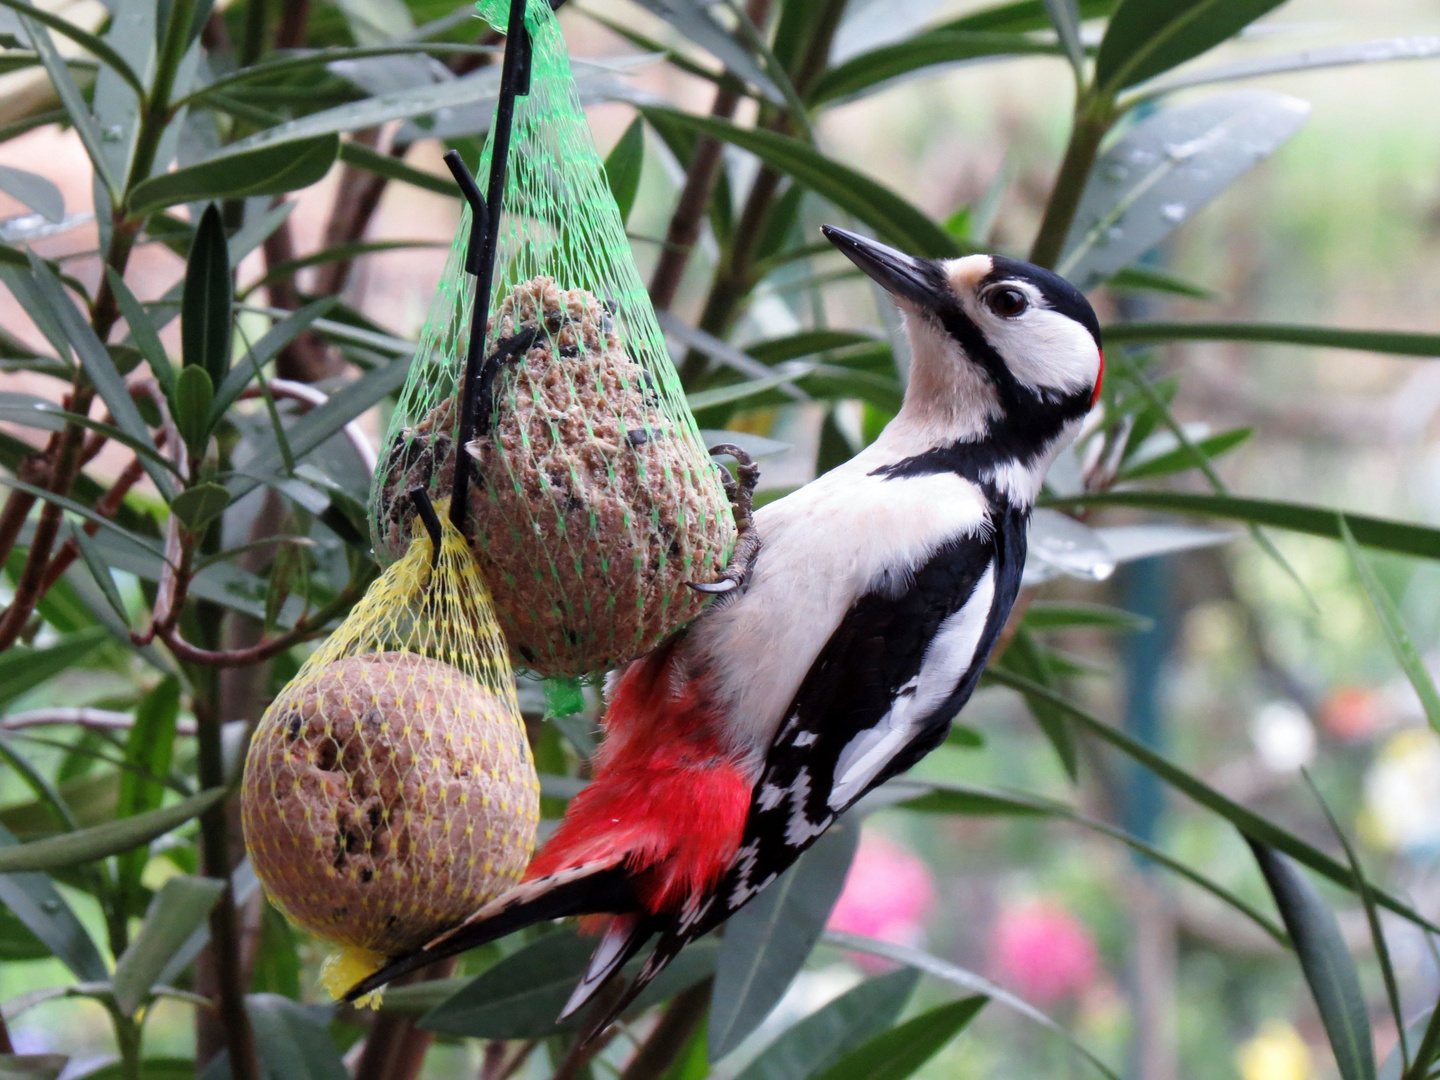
(421, 498)
(480, 258)
(479, 212)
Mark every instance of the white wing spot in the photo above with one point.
(949, 656)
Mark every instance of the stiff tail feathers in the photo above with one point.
(585, 890)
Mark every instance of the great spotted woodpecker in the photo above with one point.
(859, 631)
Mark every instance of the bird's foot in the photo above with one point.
(740, 489)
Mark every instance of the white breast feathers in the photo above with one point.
(836, 539)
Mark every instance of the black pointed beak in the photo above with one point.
(901, 275)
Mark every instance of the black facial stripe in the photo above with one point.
(1059, 294)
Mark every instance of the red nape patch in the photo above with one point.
(1099, 378)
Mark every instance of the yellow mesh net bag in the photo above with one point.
(389, 790)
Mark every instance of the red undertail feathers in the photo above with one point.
(666, 801)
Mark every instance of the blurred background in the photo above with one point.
(1229, 666)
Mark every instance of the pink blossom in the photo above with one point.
(1043, 951)
(888, 893)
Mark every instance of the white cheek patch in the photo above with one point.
(1044, 350)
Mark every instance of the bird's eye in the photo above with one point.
(1007, 301)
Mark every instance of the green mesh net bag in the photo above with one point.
(593, 500)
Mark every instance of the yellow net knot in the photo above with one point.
(345, 968)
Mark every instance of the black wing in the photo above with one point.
(870, 659)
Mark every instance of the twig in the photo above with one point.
(304, 630)
(308, 395)
(582, 1051)
(29, 589)
(734, 276)
(224, 939)
(664, 1044)
(395, 1048)
(92, 719)
(684, 228)
(33, 469)
(106, 506)
(519, 1058)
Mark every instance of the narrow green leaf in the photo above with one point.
(46, 793)
(22, 285)
(1146, 279)
(1395, 343)
(101, 573)
(191, 404)
(89, 42)
(1021, 16)
(1147, 37)
(915, 55)
(622, 166)
(36, 902)
(740, 391)
(1399, 639)
(143, 543)
(149, 749)
(894, 219)
(196, 507)
(1164, 168)
(370, 112)
(1053, 614)
(1180, 459)
(694, 20)
(23, 668)
(263, 351)
(768, 940)
(34, 190)
(393, 168)
(284, 65)
(32, 1066)
(1400, 537)
(1065, 15)
(266, 170)
(1428, 1049)
(1372, 919)
(1024, 658)
(142, 331)
(37, 412)
(324, 421)
(1327, 964)
(293, 1040)
(1382, 50)
(177, 910)
(205, 301)
(1250, 824)
(98, 366)
(102, 841)
(520, 997)
(65, 88)
(901, 1051)
(823, 1037)
(118, 105)
(950, 798)
(966, 980)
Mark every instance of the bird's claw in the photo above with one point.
(714, 588)
(740, 490)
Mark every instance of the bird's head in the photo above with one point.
(1002, 351)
